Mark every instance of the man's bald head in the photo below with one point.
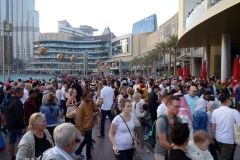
(192, 91)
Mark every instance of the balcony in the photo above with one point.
(202, 7)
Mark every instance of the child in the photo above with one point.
(148, 121)
(198, 149)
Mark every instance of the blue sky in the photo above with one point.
(119, 15)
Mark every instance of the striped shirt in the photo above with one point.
(56, 150)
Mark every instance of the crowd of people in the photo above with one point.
(183, 118)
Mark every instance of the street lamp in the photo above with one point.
(98, 64)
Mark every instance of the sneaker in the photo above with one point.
(145, 138)
(78, 155)
(100, 136)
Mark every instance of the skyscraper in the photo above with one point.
(25, 20)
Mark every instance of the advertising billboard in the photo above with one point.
(148, 24)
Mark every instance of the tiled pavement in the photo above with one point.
(103, 148)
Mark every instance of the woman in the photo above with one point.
(121, 132)
(153, 102)
(51, 111)
(180, 139)
(136, 109)
(200, 117)
(64, 98)
(28, 86)
(59, 95)
(36, 140)
(72, 104)
(122, 92)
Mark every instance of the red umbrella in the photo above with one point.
(180, 72)
(185, 73)
(236, 69)
(204, 72)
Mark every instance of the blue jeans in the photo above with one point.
(104, 114)
(213, 151)
(87, 140)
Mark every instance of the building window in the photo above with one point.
(120, 46)
(168, 30)
(161, 34)
(174, 26)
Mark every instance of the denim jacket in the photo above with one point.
(51, 116)
(200, 119)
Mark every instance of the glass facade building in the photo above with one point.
(25, 21)
(97, 47)
(148, 24)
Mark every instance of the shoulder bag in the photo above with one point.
(236, 132)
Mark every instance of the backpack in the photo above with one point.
(1, 93)
(152, 133)
(4, 102)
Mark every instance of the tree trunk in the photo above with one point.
(164, 63)
(175, 55)
(170, 59)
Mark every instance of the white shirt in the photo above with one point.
(56, 150)
(123, 138)
(224, 118)
(162, 108)
(58, 95)
(162, 89)
(63, 93)
(142, 101)
(107, 96)
(25, 96)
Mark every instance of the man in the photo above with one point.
(162, 86)
(14, 119)
(25, 92)
(106, 99)
(78, 89)
(223, 120)
(163, 127)
(64, 138)
(136, 84)
(8, 95)
(174, 83)
(85, 123)
(29, 106)
(201, 89)
(49, 89)
(192, 98)
(2, 91)
(38, 99)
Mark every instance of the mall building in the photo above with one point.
(214, 27)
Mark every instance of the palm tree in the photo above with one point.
(141, 63)
(151, 58)
(135, 63)
(161, 48)
(172, 44)
(146, 63)
(131, 65)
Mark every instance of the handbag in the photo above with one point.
(71, 109)
(114, 109)
(236, 132)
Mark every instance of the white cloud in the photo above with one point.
(119, 15)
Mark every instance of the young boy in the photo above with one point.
(198, 149)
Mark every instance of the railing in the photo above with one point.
(202, 7)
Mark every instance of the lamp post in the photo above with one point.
(98, 65)
(85, 64)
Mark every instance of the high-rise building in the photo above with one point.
(25, 20)
(83, 30)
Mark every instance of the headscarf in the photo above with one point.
(184, 109)
(211, 106)
(201, 105)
